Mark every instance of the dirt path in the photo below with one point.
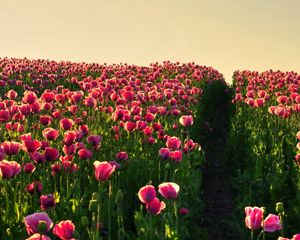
(218, 194)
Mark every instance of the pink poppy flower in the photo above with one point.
(272, 223)
(47, 202)
(29, 167)
(34, 221)
(296, 237)
(183, 211)
(48, 96)
(164, 153)
(95, 140)
(34, 187)
(147, 194)
(45, 120)
(186, 121)
(51, 154)
(30, 146)
(64, 230)
(85, 154)
(50, 134)
(168, 190)
(155, 206)
(176, 156)
(103, 170)
(66, 124)
(122, 156)
(254, 216)
(37, 157)
(173, 143)
(11, 148)
(11, 94)
(69, 150)
(9, 169)
(29, 97)
(4, 116)
(130, 126)
(69, 137)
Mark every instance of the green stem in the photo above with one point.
(109, 209)
(98, 210)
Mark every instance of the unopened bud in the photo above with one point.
(279, 207)
(42, 227)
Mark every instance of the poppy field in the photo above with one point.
(92, 151)
(99, 151)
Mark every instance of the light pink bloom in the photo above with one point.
(186, 121)
(168, 190)
(32, 222)
(103, 170)
(64, 230)
(147, 194)
(272, 223)
(155, 206)
(254, 217)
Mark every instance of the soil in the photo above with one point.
(218, 195)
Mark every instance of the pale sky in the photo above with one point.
(225, 34)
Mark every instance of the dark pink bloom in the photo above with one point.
(50, 134)
(95, 140)
(69, 137)
(11, 94)
(173, 143)
(45, 120)
(85, 154)
(31, 145)
(11, 148)
(186, 121)
(103, 170)
(64, 230)
(122, 156)
(29, 97)
(130, 126)
(128, 95)
(47, 201)
(48, 96)
(272, 223)
(37, 157)
(168, 190)
(33, 221)
(254, 216)
(69, 150)
(4, 116)
(147, 194)
(9, 169)
(176, 156)
(29, 168)
(33, 187)
(183, 211)
(164, 153)
(51, 154)
(155, 206)
(66, 124)
(259, 102)
(149, 117)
